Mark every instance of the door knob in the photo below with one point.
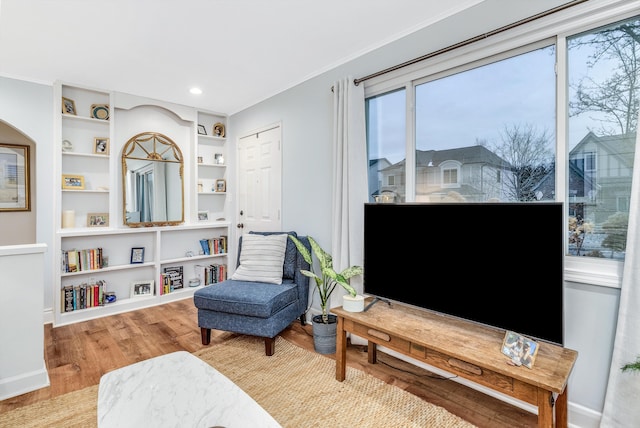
(240, 225)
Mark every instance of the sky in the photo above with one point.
(476, 105)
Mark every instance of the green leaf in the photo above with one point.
(326, 283)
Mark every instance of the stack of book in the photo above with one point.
(83, 296)
(171, 279)
(79, 260)
(214, 245)
(211, 274)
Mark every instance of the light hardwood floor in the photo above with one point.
(78, 355)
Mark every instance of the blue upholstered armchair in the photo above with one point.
(256, 308)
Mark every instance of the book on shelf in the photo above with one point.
(212, 273)
(81, 260)
(173, 277)
(214, 245)
(204, 243)
(83, 296)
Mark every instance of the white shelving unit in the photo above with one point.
(79, 132)
(165, 246)
(211, 166)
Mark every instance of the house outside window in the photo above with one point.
(479, 110)
(603, 71)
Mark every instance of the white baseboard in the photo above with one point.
(25, 382)
(582, 417)
(48, 316)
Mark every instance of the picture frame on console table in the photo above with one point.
(521, 350)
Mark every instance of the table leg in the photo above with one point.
(545, 409)
(372, 352)
(341, 350)
(562, 410)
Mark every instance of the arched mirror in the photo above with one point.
(152, 181)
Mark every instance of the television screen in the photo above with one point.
(499, 264)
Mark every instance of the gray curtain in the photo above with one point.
(622, 400)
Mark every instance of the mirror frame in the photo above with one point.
(159, 148)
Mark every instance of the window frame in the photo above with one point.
(555, 29)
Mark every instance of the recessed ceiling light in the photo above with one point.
(195, 91)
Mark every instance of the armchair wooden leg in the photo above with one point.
(205, 333)
(269, 345)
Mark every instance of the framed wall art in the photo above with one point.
(101, 146)
(137, 255)
(72, 182)
(14, 181)
(68, 106)
(142, 288)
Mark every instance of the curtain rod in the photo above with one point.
(468, 41)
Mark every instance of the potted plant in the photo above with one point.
(324, 325)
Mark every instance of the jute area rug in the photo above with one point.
(297, 387)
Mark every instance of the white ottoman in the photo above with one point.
(175, 390)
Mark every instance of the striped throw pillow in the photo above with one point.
(261, 258)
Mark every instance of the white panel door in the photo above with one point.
(260, 181)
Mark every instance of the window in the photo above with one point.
(386, 131)
(602, 74)
(450, 176)
(485, 117)
(484, 129)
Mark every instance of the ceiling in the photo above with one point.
(239, 52)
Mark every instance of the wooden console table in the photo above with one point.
(463, 348)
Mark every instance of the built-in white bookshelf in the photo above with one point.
(88, 208)
(211, 167)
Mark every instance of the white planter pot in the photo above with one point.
(353, 304)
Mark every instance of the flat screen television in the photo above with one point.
(498, 264)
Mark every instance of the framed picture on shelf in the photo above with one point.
(521, 350)
(218, 129)
(218, 158)
(101, 146)
(202, 130)
(142, 289)
(68, 106)
(72, 182)
(14, 182)
(137, 255)
(97, 220)
(203, 215)
(221, 185)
